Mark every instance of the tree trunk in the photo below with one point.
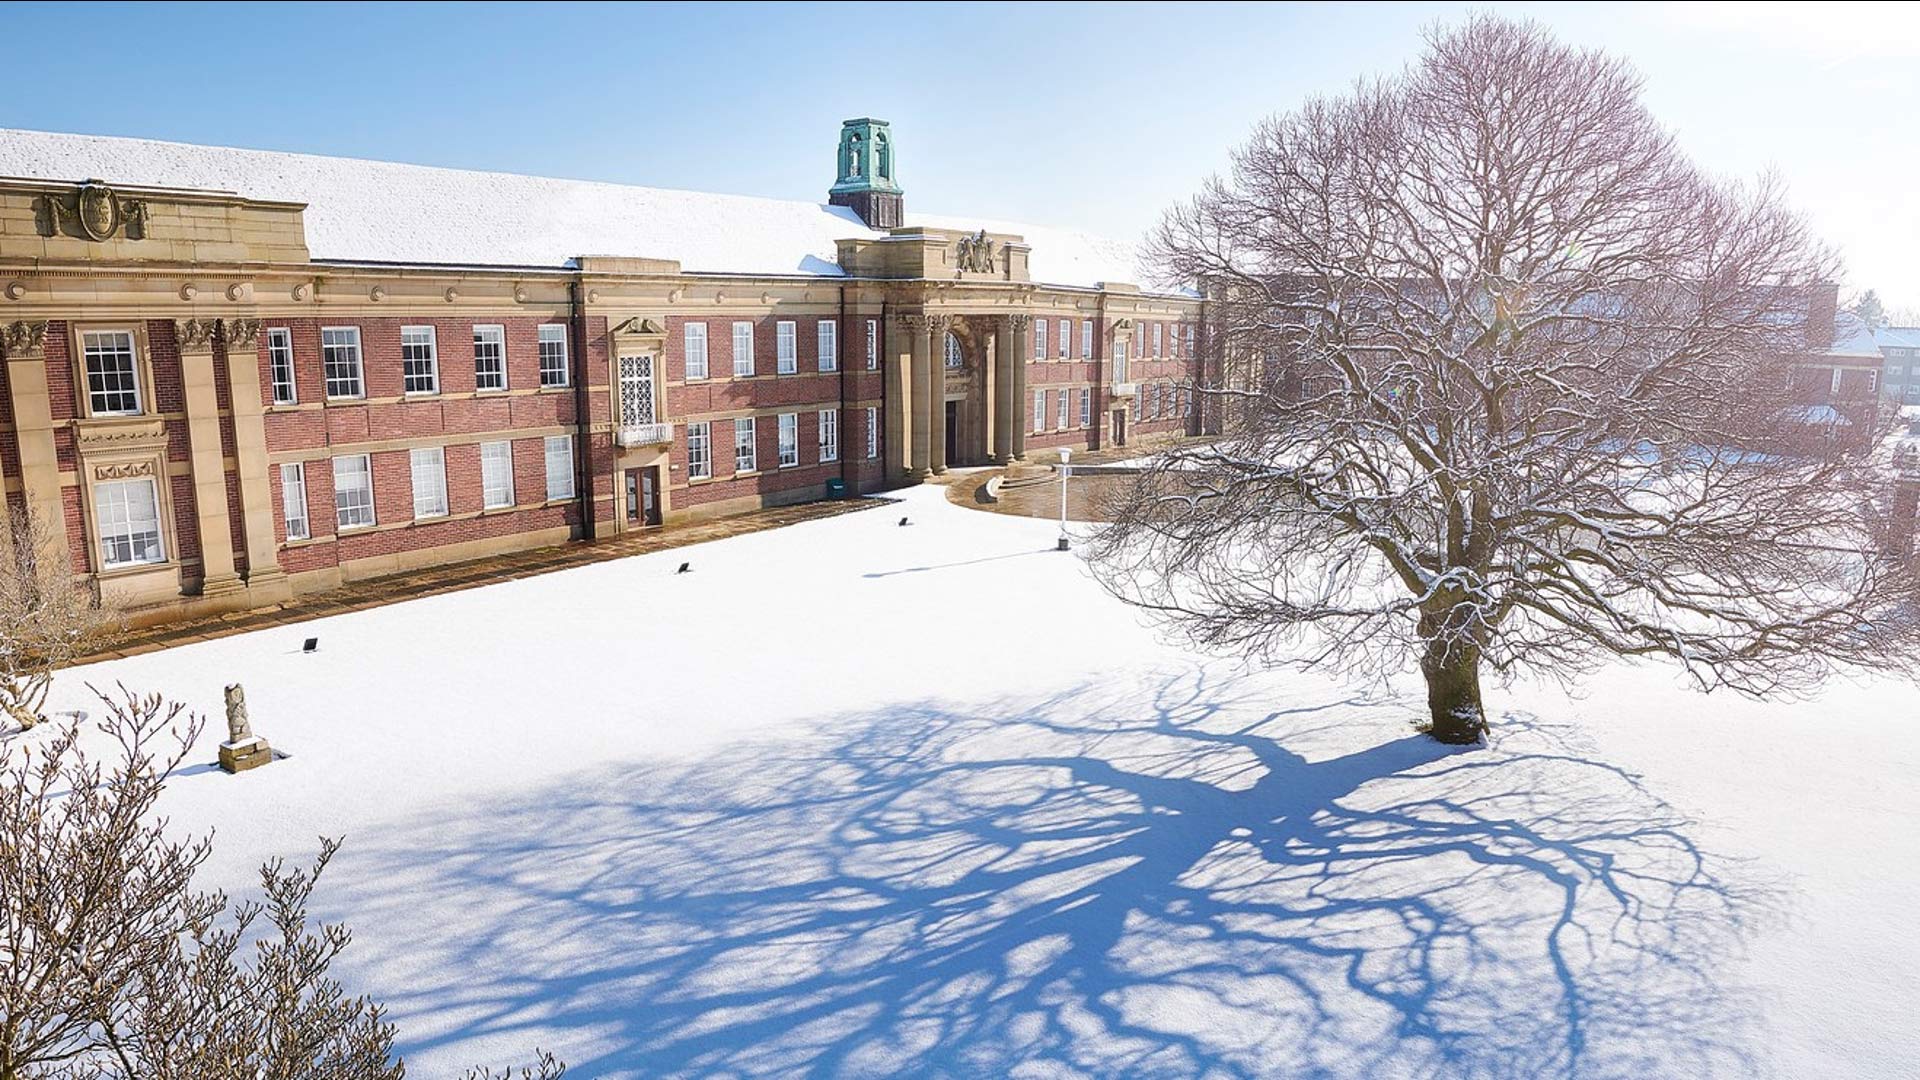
(1453, 691)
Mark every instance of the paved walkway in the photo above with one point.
(1086, 495)
(454, 577)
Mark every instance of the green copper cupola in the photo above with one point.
(868, 183)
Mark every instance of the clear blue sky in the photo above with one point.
(1089, 116)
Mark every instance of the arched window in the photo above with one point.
(853, 156)
(884, 150)
(954, 357)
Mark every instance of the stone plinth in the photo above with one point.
(236, 757)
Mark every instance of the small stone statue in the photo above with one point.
(243, 749)
(238, 730)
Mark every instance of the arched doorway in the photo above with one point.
(954, 359)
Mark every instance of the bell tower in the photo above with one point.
(867, 166)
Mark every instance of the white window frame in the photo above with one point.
(1158, 335)
(829, 435)
(432, 360)
(343, 363)
(488, 336)
(496, 477)
(1039, 339)
(293, 501)
(1189, 341)
(746, 444)
(1066, 406)
(427, 466)
(1064, 347)
(1086, 339)
(827, 338)
(1873, 381)
(693, 338)
(873, 432)
(1040, 410)
(558, 452)
(742, 350)
(699, 450)
(115, 521)
(1833, 384)
(556, 367)
(105, 345)
(786, 347)
(286, 386)
(873, 344)
(348, 517)
(788, 436)
(1086, 406)
(952, 356)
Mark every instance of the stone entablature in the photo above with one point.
(919, 253)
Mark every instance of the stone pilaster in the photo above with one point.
(25, 344)
(937, 407)
(1019, 350)
(924, 393)
(250, 458)
(1008, 408)
(898, 378)
(194, 337)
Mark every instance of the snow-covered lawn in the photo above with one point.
(855, 799)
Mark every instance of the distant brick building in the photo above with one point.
(232, 376)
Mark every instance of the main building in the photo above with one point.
(233, 376)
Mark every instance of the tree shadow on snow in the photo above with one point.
(1076, 886)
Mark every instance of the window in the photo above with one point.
(496, 475)
(128, 514)
(786, 348)
(1186, 403)
(873, 432)
(699, 451)
(789, 439)
(1039, 339)
(827, 337)
(280, 366)
(559, 467)
(1157, 329)
(1086, 406)
(340, 355)
(489, 358)
(419, 362)
(1189, 340)
(113, 375)
(746, 453)
(553, 355)
(636, 391)
(1086, 339)
(742, 348)
(1873, 382)
(951, 354)
(293, 500)
(352, 492)
(1834, 383)
(829, 435)
(1066, 337)
(1063, 410)
(1039, 410)
(696, 342)
(429, 482)
(873, 344)
(1140, 343)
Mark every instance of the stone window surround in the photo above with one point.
(142, 366)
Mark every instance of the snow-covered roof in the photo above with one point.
(1852, 337)
(1899, 337)
(381, 211)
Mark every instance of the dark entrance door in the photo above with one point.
(650, 495)
(1119, 427)
(633, 496)
(953, 433)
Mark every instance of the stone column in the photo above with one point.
(195, 340)
(250, 458)
(25, 343)
(1004, 408)
(924, 392)
(899, 399)
(1019, 351)
(937, 402)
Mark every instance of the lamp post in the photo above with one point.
(1066, 455)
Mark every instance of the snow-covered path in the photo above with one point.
(855, 799)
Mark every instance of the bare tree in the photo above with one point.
(113, 966)
(46, 620)
(1505, 382)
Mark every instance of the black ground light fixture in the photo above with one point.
(310, 645)
(685, 567)
(904, 523)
